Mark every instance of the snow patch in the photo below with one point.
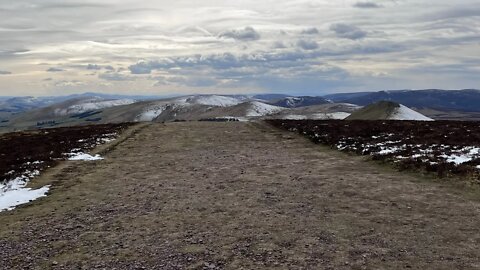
(467, 154)
(295, 117)
(92, 105)
(334, 115)
(405, 113)
(261, 109)
(15, 192)
(214, 100)
(150, 113)
(83, 157)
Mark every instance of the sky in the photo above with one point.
(60, 47)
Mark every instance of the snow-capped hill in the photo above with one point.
(257, 109)
(92, 105)
(214, 100)
(405, 113)
(387, 110)
(304, 101)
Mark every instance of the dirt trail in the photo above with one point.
(238, 196)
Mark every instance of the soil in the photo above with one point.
(235, 195)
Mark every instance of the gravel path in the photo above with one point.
(238, 196)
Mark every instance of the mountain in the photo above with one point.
(387, 110)
(21, 104)
(269, 97)
(14, 105)
(340, 97)
(87, 110)
(302, 101)
(445, 100)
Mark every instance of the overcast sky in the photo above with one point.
(52, 47)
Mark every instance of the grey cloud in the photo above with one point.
(98, 67)
(65, 83)
(307, 44)
(310, 31)
(348, 31)
(115, 77)
(3, 72)
(74, 5)
(272, 60)
(93, 67)
(246, 34)
(367, 5)
(457, 12)
(54, 69)
(279, 45)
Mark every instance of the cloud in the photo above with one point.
(367, 5)
(220, 45)
(246, 34)
(348, 31)
(115, 77)
(54, 69)
(310, 31)
(98, 67)
(66, 83)
(3, 72)
(279, 45)
(93, 67)
(307, 44)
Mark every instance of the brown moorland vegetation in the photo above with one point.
(437, 147)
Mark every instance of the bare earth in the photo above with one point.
(237, 196)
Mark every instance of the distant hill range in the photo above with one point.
(467, 100)
(301, 101)
(20, 113)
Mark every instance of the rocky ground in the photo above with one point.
(237, 196)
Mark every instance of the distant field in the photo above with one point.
(443, 147)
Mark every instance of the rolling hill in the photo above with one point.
(443, 100)
(387, 110)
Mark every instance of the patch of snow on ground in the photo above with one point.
(261, 109)
(405, 113)
(327, 116)
(467, 154)
(295, 117)
(83, 157)
(15, 193)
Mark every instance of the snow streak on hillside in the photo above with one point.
(405, 113)
(215, 100)
(258, 109)
(92, 105)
